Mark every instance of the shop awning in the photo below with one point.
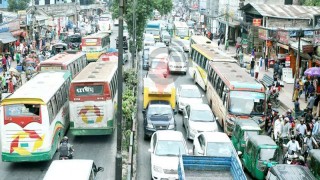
(6, 37)
(19, 32)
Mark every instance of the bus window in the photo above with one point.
(15, 110)
(54, 106)
(50, 111)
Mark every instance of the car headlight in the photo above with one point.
(171, 126)
(149, 126)
(157, 169)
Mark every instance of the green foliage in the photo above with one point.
(143, 12)
(310, 2)
(17, 5)
(130, 78)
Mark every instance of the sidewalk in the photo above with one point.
(285, 95)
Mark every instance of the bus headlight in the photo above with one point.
(150, 126)
(157, 169)
(171, 126)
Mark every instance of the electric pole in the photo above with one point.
(134, 34)
(118, 173)
(33, 11)
(226, 43)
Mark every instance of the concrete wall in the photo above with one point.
(287, 23)
(4, 4)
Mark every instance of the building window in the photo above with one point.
(36, 2)
(0, 1)
(47, 2)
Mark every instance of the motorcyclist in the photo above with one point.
(293, 146)
(65, 148)
(289, 115)
(308, 143)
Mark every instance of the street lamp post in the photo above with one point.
(118, 173)
(134, 34)
(299, 34)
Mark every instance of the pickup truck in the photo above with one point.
(207, 167)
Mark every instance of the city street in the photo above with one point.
(103, 153)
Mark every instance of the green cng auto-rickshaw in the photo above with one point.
(260, 153)
(291, 172)
(314, 162)
(241, 131)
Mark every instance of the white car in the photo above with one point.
(166, 146)
(198, 118)
(216, 144)
(188, 94)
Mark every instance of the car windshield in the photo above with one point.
(170, 148)
(268, 154)
(201, 115)
(219, 149)
(182, 32)
(177, 58)
(246, 103)
(190, 93)
(159, 110)
(158, 65)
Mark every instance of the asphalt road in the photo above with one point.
(101, 149)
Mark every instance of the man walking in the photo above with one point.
(266, 63)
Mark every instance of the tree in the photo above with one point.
(144, 10)
(310, 2)
(17, 5)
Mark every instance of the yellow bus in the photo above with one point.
(156, 87)
(181, 30)
(94, 45)
(196, 39)
(201, 54)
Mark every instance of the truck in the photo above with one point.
(207, 167)
(156, 87)
(154, 28)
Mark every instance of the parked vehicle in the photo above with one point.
(209, 167)
(188, 94)
(165, 148)
(158, 116)
(260, 154)
(73, 169)
(198, 118)
(314, 162)
(145, 58)
(292, 172)
(241, 132)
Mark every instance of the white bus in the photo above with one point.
(93, 99)
(35, 117)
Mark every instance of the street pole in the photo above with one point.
(134, 34)
(33, 21)
(226, 43)
(296, 73)
(118, 173)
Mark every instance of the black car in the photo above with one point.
(74, 41)
(158, 116)
(125, 43)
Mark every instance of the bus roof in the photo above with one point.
(211, 53)
(157, 84)
(315, 153)
(70, 169)
(63, 58)
(262, 140)
(179, 24)
(101, 71)
(96, 35)
(40, 89)
(235, 77)
(196, 39)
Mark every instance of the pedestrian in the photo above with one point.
(256, 70)
(276, 67)
(308, 116)
(310, 89)
(277, 126)
(11, 50)
(4, 62)
(253, 53)
(305, 86)
(252, 66)
(18, 57)
(260, 63)
(14, 81)
(10, 86)
(280, 71)
(301, 87)
(316, 127)
(17, 44)
(266, 63)
(315, 105)
(296, 90)
(296, 107)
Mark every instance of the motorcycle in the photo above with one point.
(273, 99)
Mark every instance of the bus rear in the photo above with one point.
(91, 109)
(94, 45)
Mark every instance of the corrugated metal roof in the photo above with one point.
(285, 11)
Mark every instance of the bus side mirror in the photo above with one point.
(100, 169)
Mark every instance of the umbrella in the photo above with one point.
(314, 71)
(14, 71)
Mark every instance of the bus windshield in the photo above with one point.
(22, 110)
(182, 32)
(246, 103)
(91, 90)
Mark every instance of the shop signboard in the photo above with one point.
(263, 34)
(283, 36)
(316, 37)
(256, 22)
